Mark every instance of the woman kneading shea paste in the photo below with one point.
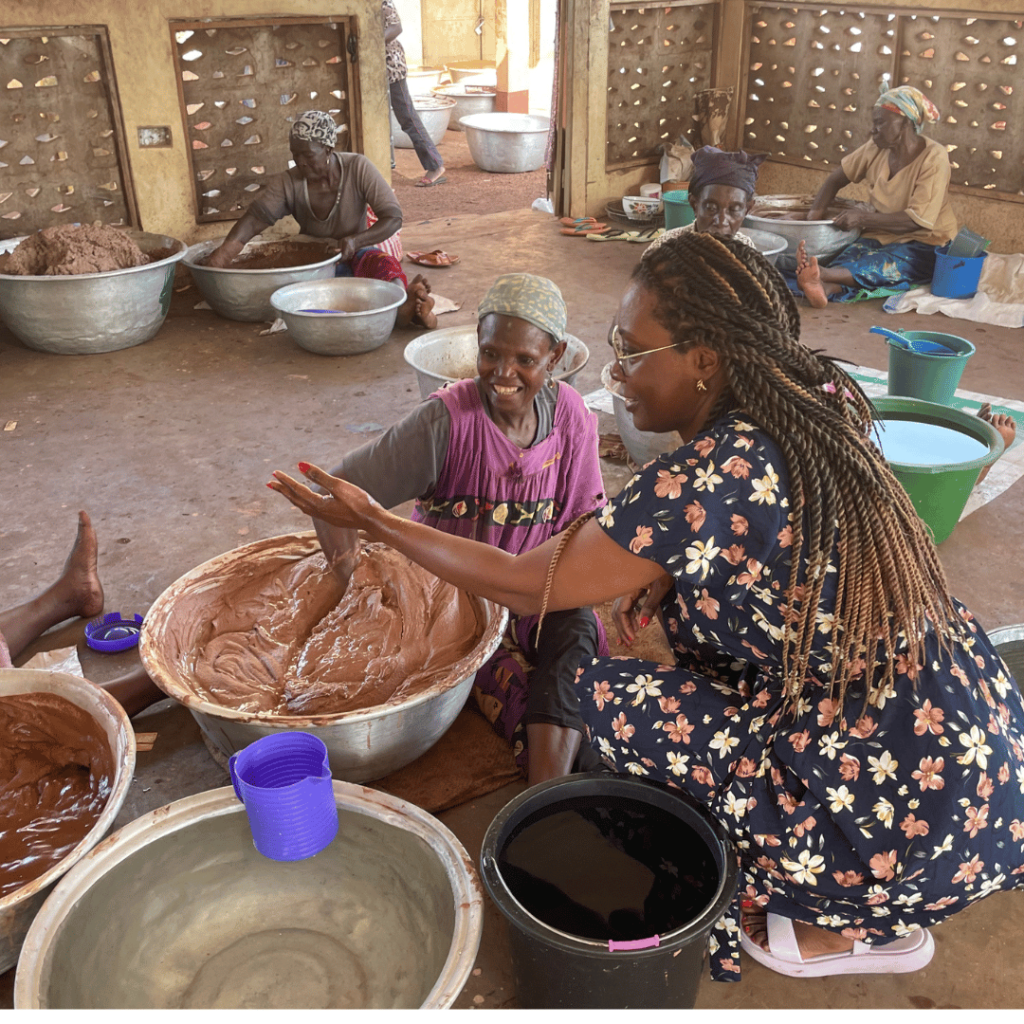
(283, 639)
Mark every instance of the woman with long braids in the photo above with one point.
(842, 715)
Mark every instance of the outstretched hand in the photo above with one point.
(343, 505)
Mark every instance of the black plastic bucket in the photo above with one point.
(587, 870)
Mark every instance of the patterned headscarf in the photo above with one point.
(712, 166)
(910, 102)
(315, 126)
(528, 297)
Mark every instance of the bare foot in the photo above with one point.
(1007, 427)
(811, 941)
(808, 276)
(79, 584)
(418, 305)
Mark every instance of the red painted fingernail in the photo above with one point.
(644, 622)
(271, 486)
(304, 467)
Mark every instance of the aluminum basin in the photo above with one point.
(362, 745)
(19, 908)
(369, 306)
(82, 314)
(775, 214)
(245, 294)
(178, 910)
(769, 245)
(506, 143)
(448, 354)
(435, 113)
(642, 445)
(469, 99)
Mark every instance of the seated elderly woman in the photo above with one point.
(330, 194)
(844, 718)
(908, 213)
(509, 458)
(721, 192)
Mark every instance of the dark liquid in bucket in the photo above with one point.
(609, 869)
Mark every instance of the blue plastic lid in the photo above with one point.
(113, 633)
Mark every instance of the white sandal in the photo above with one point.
(910, 953)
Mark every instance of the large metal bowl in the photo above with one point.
(449, 354)
(773, 214)
(178, 910)
(642, 445)
(506, 143)
(17, 909)
(435, 113)
(768, 244)
(245, 294)
(483, 71)
(82, 314)
(467, 102)
(362, 745)
(364, 321)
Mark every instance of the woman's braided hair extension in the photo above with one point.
(726, 296)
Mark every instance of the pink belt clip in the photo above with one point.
(652, 943)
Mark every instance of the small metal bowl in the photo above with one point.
(341, 316)
(83, 314)
(442, 356)
(178, 910)
(769, 245)
(240, 294)
(642, 445)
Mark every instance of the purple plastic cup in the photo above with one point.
(284, 781)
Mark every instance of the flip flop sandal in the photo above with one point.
(647, 236)
(427, 183)
(436, 258)
(611, 235)
(572, 222)
(910, 953)
(584, 228)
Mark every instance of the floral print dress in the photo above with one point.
(874, 822)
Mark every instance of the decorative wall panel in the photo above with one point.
(659, 59)
(60, 143)
(242, 85)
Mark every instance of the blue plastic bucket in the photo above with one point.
(284, 781)
(956, 277)
(678, 211)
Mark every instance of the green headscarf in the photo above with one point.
(528, 297)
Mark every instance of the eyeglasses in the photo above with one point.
(624, 358)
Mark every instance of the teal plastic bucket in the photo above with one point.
(678, 211)
(931, 378)
(940, 491)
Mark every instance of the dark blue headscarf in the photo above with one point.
(712, 166)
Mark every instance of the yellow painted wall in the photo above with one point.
(141, 44)
(592, 186)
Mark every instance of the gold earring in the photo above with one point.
(701, 386)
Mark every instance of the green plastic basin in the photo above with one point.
(940, 491)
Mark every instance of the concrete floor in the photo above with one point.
(168, 445)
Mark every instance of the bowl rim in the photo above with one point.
(203, 248)
(471, 120)
(148, 653)
(7, 244)
(330, 282)
(422, 341)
